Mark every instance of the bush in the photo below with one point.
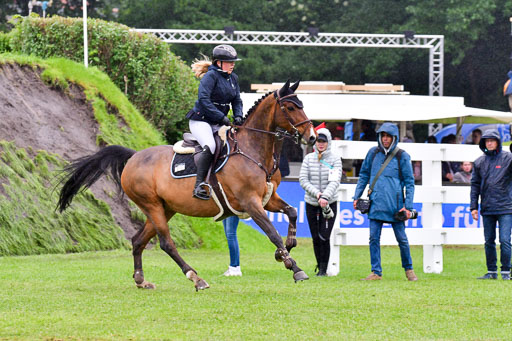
(156, 81)
(4, 43)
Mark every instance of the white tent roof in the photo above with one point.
(343, 107)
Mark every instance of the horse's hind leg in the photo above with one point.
(276, 204)
(139, 242)
(159, 218)
(258, 214)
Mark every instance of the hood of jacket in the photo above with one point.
(391, 129)
(327, 133)
(490, 134)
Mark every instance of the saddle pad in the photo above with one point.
(183, 165)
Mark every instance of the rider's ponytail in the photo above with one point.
(200, 66)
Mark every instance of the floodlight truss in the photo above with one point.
(434, 43)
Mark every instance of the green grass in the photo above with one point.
(92, 296)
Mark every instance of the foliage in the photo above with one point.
(62, 296)
(157, 82)
(36, 228)
(476, 40)
(4, 43)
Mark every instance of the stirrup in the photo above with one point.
(200, 195)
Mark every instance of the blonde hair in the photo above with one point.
(200, 66)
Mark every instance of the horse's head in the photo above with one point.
(290, 115)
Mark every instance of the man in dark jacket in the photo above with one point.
(387, 197)
(492, 181)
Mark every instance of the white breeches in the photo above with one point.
(203, 132)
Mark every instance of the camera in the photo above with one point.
(327, 212)
(402, 215)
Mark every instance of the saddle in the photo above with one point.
(183, 164)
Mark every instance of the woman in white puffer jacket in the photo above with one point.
(320, 176)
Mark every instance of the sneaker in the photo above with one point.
(411, 276)
(505, 276)
(490, 275)
(233, 271)
(372, 277)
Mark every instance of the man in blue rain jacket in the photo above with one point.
(387, 197)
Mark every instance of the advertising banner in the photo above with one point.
(454, 215)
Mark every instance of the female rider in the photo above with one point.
(218, 89)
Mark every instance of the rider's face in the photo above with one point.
(227, 66)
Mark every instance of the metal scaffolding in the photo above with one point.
(434, 43)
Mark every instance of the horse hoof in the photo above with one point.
(201, 285)
(146, 285)
(300, 276)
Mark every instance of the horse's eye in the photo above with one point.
(291, 108)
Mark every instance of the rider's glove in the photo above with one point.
(238, 120)
(225, 121)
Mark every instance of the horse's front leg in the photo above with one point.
(260, 217)
(276, 204)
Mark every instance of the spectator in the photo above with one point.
(230, 227)
(492, 182)
(431, 139)
(449, 168)
(476, 135)
(464, 175)
(387, 197)
(284, 166)
(320, 176)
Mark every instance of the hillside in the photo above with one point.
(42, 110)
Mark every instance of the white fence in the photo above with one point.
(431, 194)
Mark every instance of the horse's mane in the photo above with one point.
(200, 66)
(253, 108)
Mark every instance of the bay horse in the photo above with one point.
(145, 178)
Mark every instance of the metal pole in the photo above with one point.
(86, 52)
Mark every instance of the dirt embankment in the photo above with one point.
(32, 114)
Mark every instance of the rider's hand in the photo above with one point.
(225, 121)
(238, 120)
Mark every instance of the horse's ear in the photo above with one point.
(295, 86)
(284, 90)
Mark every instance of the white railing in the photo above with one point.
(431, 194)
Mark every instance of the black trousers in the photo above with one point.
(320, 229)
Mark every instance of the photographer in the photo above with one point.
(320, 176)
(388, 204)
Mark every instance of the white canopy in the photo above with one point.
(344, 107)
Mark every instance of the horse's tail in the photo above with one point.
(85, 171)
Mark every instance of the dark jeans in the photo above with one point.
(320, 229)
(230, 227)
(401, 238)
(504, 222)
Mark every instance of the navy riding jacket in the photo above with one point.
(492, 179)
(218, 90)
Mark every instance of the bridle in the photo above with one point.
(279, 134)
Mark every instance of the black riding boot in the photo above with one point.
(322, 269)
(203, 162)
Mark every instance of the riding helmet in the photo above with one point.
(225, 53)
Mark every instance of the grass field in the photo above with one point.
(92, 296)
